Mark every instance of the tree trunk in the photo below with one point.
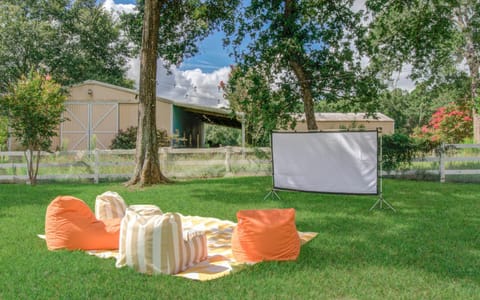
(306, 89)
(147, 169)
(302, 75)
(463, 20)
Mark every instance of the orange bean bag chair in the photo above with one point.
(263, 235)
(70, 224)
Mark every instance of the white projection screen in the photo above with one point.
(326, 162)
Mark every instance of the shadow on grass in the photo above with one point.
(435, 228)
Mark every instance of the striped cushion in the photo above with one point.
(155, 244)
(109, 205)
(146, 209)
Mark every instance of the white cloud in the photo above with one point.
(117, 9)
(191, 86)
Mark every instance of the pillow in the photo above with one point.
(70, 224)
(268, 234)
(109, 205)
(154, 244)
(146, 209)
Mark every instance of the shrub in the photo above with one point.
(449, 124)
(398, 150)
(127, 139)
(220, 135)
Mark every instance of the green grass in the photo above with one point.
(428, 249)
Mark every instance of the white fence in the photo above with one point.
(459, 160)
(99, 165)
(106, 165)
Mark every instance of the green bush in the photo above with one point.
(220, 135)
(3, 133)
(127, 139)
(398, 150)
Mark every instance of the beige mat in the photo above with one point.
(220, 260)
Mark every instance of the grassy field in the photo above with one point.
(428, 249)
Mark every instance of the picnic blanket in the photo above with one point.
(220, 261)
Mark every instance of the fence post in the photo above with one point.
(163, 158)
(96, 166)
(442, 163)
(228, 153)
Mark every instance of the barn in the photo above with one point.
(96, 111)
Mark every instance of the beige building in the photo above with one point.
(96, 111)
(352, 121)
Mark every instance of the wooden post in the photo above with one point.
(96, 168)
(442, 163)
(228, 153)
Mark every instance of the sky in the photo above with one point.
(196, 79)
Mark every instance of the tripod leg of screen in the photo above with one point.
(272, 194)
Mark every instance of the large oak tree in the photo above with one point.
(435, 37)
(306, 49)
(171, 30)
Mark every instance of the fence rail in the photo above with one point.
(100, 165)
(449, 161)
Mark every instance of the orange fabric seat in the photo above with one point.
(70, 224)
(263, 235)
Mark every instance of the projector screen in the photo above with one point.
(327, 162)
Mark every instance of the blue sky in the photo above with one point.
(212, 56)
(197, 79)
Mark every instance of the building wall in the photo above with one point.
(387, 126)
(97, 96)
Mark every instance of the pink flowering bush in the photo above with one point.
(448, 124)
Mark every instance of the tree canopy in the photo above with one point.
(72, 40)
(306, 49)
(435, 37)
(34, 107)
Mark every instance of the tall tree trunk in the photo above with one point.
(301, 74)
(306, 89)
(147, 169)
(474, 65)
(463, 20)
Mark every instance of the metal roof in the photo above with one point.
(319, 117)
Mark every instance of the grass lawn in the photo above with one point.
(428, 249)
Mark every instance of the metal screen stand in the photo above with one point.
(380, 203)
(272, 194)
(380, 200)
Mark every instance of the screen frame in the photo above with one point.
(377, 162)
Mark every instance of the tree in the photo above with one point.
(170, 31)
(411, 110)
(34, 106)
(264, 109)
(306, 48)
(433, 36)
(72, 40)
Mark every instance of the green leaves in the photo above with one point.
(34, 109)
(304, 50)
(73, 40)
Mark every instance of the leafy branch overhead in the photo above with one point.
(306, 49)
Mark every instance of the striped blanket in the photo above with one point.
(220, 261)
